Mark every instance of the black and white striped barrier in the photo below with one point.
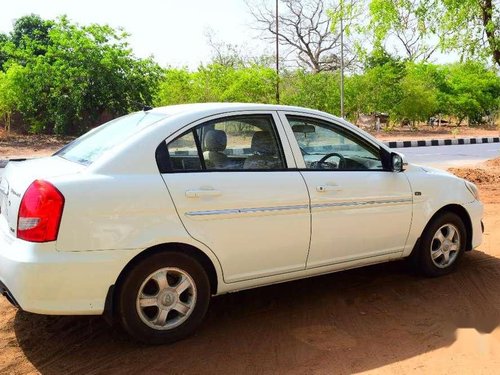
(442, 142)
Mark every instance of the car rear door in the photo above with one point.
(360, 212)
(229, 181)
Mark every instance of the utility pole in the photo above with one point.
(342, 58)
(277, 59)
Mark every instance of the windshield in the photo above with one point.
(90, 146)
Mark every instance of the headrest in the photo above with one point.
(263, 143)
(215, 140)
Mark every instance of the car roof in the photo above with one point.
(206, 108)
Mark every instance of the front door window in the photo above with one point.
(327, 147)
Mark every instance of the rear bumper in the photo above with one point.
(39, 279)
(4, 291)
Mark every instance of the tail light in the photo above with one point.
(40, 213)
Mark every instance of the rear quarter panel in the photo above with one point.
(120, 202)
(120, 212)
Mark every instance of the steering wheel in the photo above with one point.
(342, 162)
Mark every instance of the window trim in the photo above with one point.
(162, 153)
(198, 147)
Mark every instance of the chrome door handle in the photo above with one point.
(202, 193)
(328, 187)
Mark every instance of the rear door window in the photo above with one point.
(237, 143)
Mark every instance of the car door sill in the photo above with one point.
(317, 268)
(235, 286)
(326, 264)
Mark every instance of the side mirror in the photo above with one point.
(398, 162)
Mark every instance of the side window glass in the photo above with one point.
(241, 143)
(232, 143)
(183, 153)
(325, 146)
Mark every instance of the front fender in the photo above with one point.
(432, 190)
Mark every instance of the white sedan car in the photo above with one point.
(148, 216)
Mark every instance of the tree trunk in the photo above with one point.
(487, 10)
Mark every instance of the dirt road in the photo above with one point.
(380, 319)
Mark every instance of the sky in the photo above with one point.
(173, 31)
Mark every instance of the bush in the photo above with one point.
(74, 75)
(469, 91)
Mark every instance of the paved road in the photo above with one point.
(451, 156)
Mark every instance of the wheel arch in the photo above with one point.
(462, 213)
(190, 250)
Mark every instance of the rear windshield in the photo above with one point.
(90, 146)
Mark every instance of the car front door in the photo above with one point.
(229, 181)
(360, 212)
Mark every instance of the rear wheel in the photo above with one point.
(164, 298)
(442, 245)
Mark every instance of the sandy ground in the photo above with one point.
(381, 319)
(405, 134)
(21, 146)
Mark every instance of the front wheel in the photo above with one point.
(164, 298)
(442, 245)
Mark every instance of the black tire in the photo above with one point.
(131, 316)
(424, 259)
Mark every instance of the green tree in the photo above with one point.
(211, 81)
(85, 72)
(469, 91)
(176, 86)
(319, 91)
(9, 97)
(28, 39)
(4, 39)
(471, 27)
(419, 95)
(407, 24)
(251, 84)
(377, 90)
(31, 30)
(216, 83)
